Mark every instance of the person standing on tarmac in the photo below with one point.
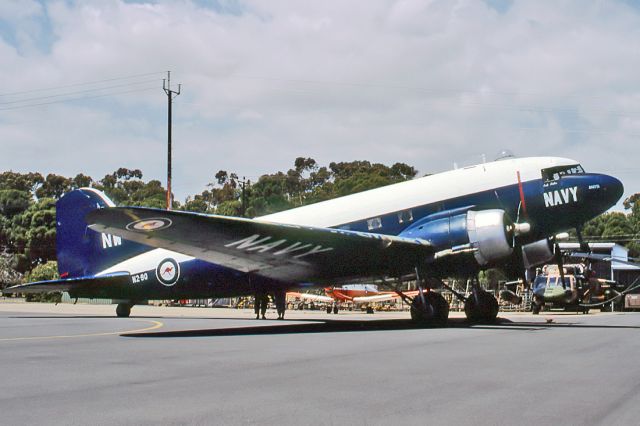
(280, 299)
(264, 303)
(256, 304)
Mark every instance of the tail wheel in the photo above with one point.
(123, 310)
(435, 312)
(535, 308)
(481, 307)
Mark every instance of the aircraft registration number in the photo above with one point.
(138, 278)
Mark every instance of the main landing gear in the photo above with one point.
(480, 306)
(431, 308)
(123, 310)
(332, 308)
(428, 307)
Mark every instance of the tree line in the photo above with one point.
(27, 203)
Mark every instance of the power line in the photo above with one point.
(80, 84)
(82, 98)
(76, 92)
(449, 92)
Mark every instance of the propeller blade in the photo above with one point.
(583, 245)
(560, 264)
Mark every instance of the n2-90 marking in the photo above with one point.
(138, 278)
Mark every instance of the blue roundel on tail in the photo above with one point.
(81, 251)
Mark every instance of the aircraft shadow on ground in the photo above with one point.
(336, 326)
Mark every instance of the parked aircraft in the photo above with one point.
(576, 286)
(456, 223)
(351, 293)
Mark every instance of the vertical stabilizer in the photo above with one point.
(81, 251)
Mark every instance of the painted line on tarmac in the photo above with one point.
(156, 325)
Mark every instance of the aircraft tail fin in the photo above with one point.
(81, 251)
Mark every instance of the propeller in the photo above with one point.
(520, 228)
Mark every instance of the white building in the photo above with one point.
(622, 273)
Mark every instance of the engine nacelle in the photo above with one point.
(490, 232)
(537, 253)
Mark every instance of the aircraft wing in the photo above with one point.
(284, 252)
(311, 297)
(382, 297)
(69, 284)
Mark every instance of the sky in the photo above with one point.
(429, 83)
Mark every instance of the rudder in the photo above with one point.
(82, 252)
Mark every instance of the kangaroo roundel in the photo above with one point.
(152, 224)
(168, 272)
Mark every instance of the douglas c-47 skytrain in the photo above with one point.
(500, 214)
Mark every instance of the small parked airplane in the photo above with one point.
(351, 293)
(503, 213)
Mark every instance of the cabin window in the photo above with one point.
(555, 173)
(375, 223)
(405, 216)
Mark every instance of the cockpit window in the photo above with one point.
(555, 173)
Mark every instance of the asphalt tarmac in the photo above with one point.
(78, 365)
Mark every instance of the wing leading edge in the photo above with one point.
(278, 251)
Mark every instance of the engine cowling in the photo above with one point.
(490, 232)
(537, 253)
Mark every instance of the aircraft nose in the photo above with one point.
(612, 189)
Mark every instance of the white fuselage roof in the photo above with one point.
(417, 192)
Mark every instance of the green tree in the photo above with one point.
(125, 187)
(54, 186)
(81, 181)
(8, 274)
(32, 235)
(27, 182)
(44, 272)
(13, 201)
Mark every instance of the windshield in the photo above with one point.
(540, 281)
(557, 282)
(555, 173)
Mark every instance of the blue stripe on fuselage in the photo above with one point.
(545, 221)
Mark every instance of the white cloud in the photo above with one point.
(424, 82)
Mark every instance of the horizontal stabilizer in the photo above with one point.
(69, 284)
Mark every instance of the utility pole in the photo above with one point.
(244, 196)
(171, 94)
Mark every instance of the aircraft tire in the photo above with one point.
(328, 309)
(535, 308)
(335, 309)
(435, 313)
(482, 310)
(123, 310)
